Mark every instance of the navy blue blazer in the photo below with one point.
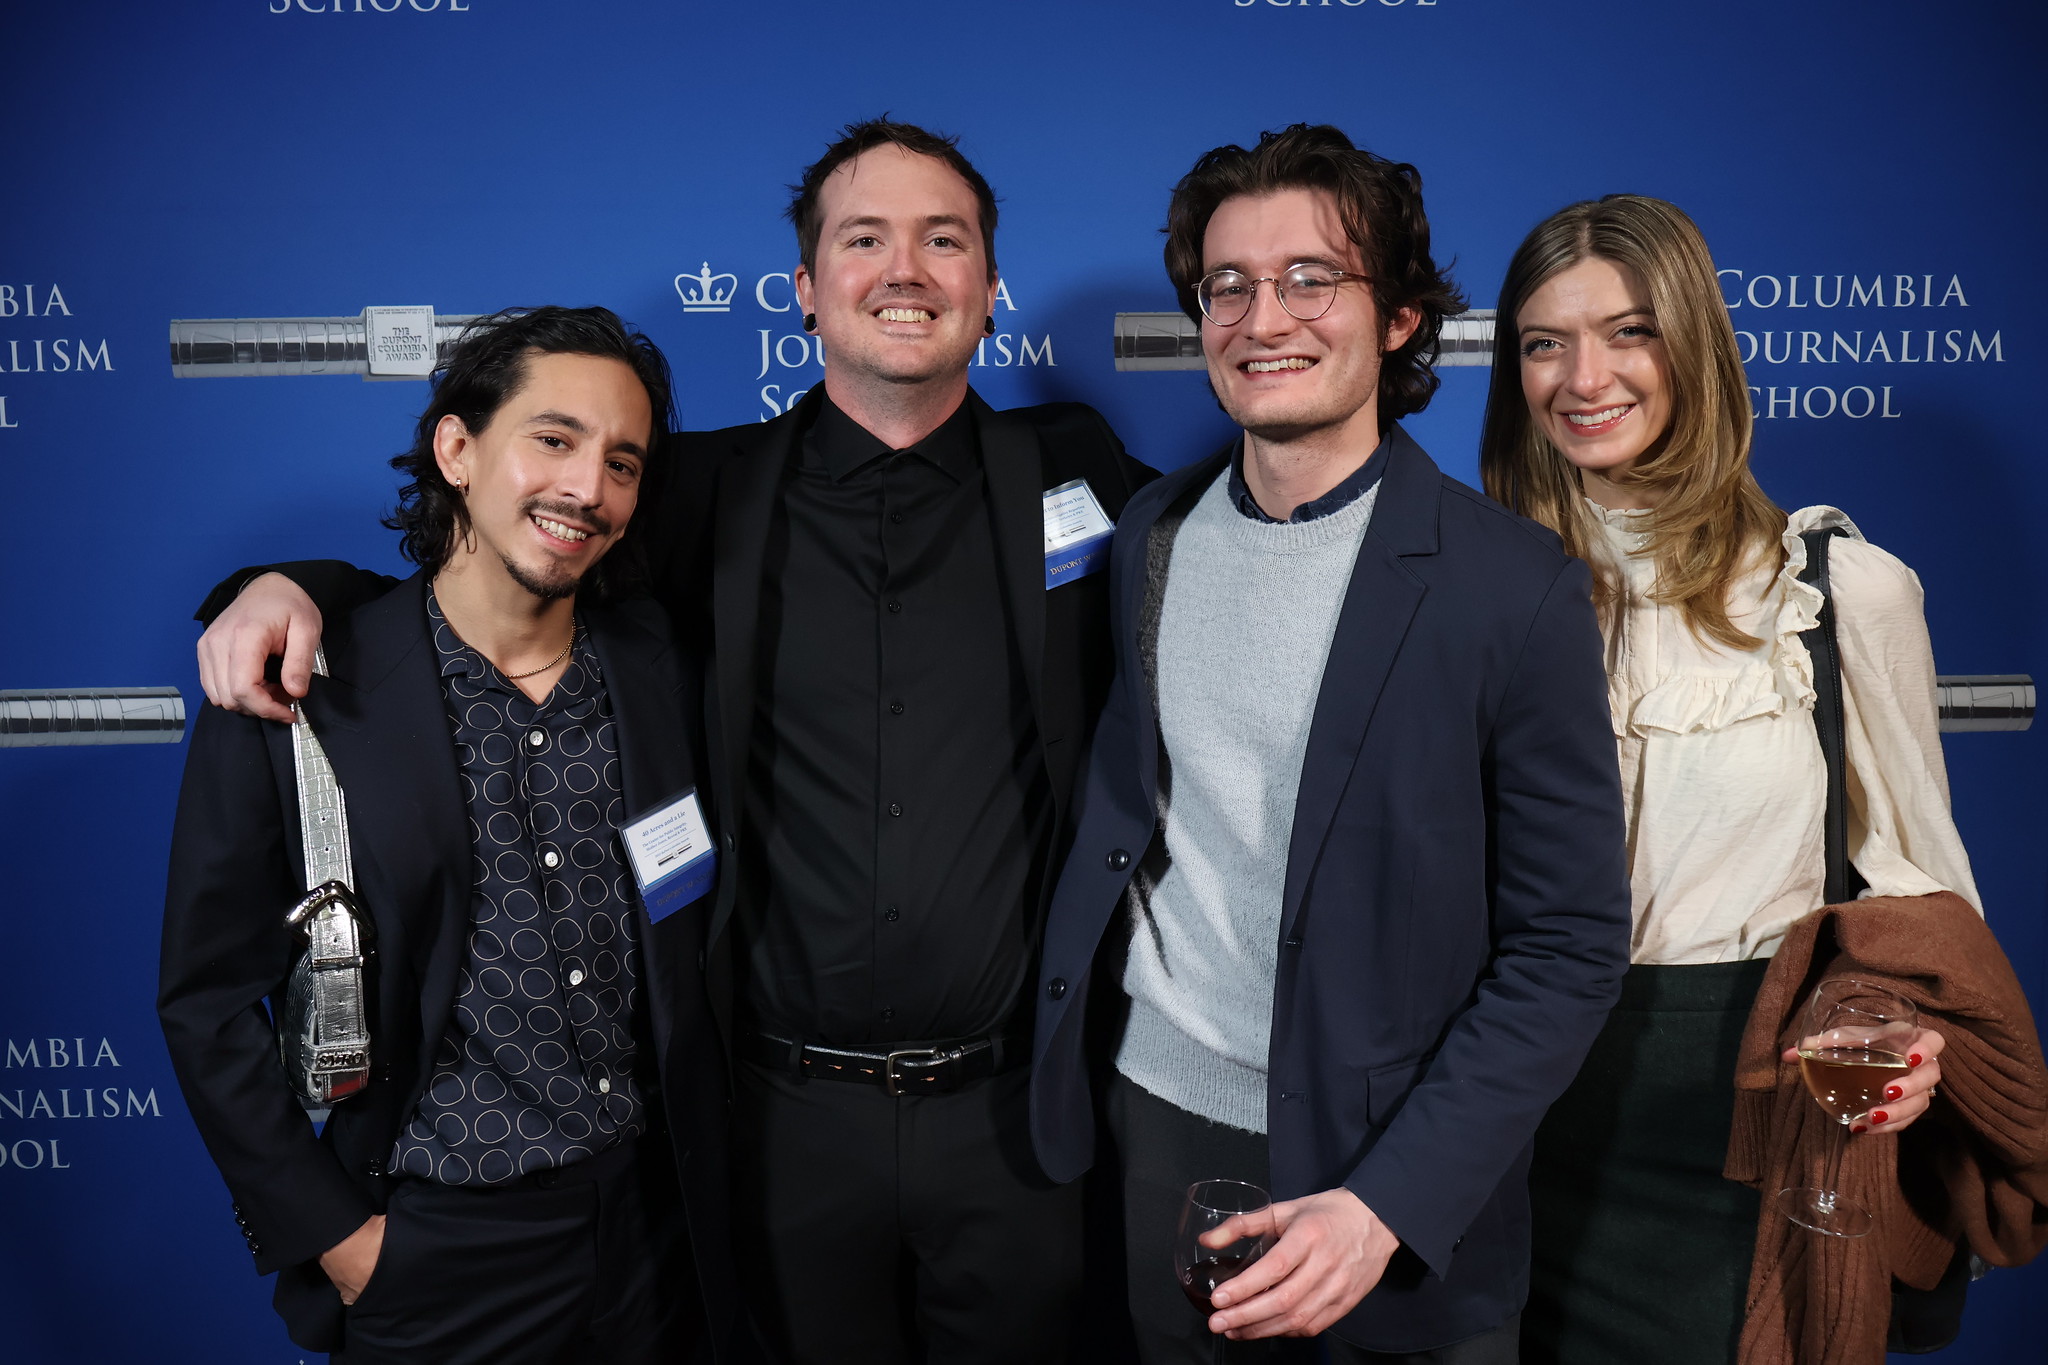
(1456, 911)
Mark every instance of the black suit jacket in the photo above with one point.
(706, 535)
(1455, 911)
(713, 526)
(236, 866)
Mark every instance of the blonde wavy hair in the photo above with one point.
(1712, 522)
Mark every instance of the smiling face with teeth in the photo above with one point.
(551, 480)
(1282, 379)
(900, 284)
(1595, 373)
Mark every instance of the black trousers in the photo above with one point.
(878, 1231)
(588, 1263)
(1162, 1150)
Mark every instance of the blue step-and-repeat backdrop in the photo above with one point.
(1870, 176)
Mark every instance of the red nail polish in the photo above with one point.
(1878, 1116)
(1913, 1060)
(1892, 1092)
(1858, 1128)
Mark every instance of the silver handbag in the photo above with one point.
(323, 1034)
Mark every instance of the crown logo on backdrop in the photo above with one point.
(705, 292)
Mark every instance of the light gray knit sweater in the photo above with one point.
(1244, 627)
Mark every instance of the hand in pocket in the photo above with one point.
(351, 1261)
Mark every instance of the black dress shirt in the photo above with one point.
(896, 800)
(1349, 490)
(536, 1066)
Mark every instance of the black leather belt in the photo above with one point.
(926, 1069)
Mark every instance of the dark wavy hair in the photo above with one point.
(485, 367)
(805, 213)
(1380, 204)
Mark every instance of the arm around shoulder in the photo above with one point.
(1135, 471)
(335, 585)
(274, 615)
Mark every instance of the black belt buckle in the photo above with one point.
(893, 1079)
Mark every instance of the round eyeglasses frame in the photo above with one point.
(1251, 295)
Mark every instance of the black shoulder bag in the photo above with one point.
(1923, 1320)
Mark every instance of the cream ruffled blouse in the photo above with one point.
(1722, 775)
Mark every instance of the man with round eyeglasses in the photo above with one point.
(1305, 289)
(1355, 789)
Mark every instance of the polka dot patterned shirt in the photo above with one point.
(536, 1068)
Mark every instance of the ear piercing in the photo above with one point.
(988, 324)
(810, 322)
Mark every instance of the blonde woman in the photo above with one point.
(1619, 418)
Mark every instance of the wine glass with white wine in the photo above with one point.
(1854, 1040)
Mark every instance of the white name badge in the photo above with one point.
(1077, 533)
(673, 857)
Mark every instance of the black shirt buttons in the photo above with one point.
(895, 605)
(895, 708)
(896, 518)
(892, 914)
(895, 809)
(887, 1015)
(1056, 989)
(1117, 860)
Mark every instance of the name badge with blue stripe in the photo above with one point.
(673, 857)
(1077, 533)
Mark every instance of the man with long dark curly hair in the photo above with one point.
(528, 1164)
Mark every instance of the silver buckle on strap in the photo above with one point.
(323, 1029)
(892, 1079)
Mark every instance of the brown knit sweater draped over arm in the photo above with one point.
(1972, 1172)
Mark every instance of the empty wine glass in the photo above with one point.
(1200, 1269)
(1854, 1040)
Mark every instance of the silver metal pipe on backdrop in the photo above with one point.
(41, 717)
(378, 343)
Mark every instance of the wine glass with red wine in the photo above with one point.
(1853, 1042)
(1210, 1204)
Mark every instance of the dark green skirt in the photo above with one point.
(1641, 1249)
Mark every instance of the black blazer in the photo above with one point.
(719, 502)
(236, 866)
(1456, 907)
(705, 534)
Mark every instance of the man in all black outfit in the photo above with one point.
(538, 1149)
(897, 704)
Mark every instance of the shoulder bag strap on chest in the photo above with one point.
(1843, 881)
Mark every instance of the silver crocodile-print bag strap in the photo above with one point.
(323, 1036)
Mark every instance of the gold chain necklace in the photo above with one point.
(515, 677)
